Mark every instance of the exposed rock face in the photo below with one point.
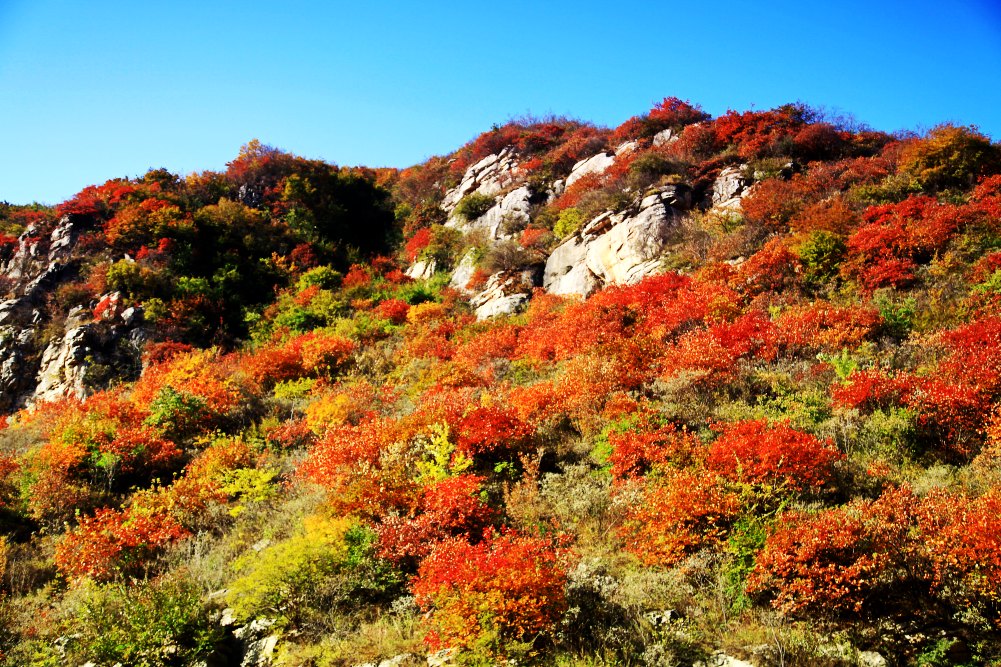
(596, 164)
(422, 270)
(70, 361)
(728, 189)
(665, 138)
(509, 214)
(488, 177)
(504, 293)
(616, 248)
(464, 273)
(37, 366)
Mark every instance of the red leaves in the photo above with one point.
(450, 508)
(509, 586)
(854, 558)
(115, 542)
(484, 431)
(681, 510)
(394, 310)
(760, 453)
(417, 243)
(824, 327)
(897, 237)
(636, 451)
(962, 539)
(838, 560)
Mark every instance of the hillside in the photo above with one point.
(689, 390)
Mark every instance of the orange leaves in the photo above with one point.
(115, 542)
(681, 510)
(363, 467)
(314, 354)
(200, 373)
(323, 355)
(508, 585)
(839, 560)
(760, 453)
(824, 327)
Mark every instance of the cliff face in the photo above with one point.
(614, 247)
(47, 353)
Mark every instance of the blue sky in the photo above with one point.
(95, 90)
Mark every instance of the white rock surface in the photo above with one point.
(664, 138)
(64, 366)
(464, 273)
(614, 248)
(722, 660)
(503, 294)
(510, 213)
(488, 177)
(627, 147)
(596, 164)
(729, 188)
(422, 270)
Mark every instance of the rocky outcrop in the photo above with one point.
(504, 293)
(422, 269)
(664, 138)
(596, 164)
(617, 248)
(45, 354)
(87, 352)
(728, 189)
(489, 176)
(509, 214)
(464, 273)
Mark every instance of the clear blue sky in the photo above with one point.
(93, 90)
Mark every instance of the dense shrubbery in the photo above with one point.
(789, 443)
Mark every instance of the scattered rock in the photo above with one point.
(442, 657)
(395, 661)
(627, 147)
(722, 660)
(664, 138)
(504, 294)
(871, 659)
(510, 213)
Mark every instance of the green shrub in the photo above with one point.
(898, 314)
(324, 277)
(472, 206)
(125, 276)
(151, 623)
(568, 222)
(176, 413)
(821, 255)
(328, 567)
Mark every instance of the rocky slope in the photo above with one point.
(46, 354)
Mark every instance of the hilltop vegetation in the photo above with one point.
(780, 438)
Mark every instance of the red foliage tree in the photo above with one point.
(840, 560)
(774, 454)
(449, 508)
(508, 587)
(113, 542)
(682, 510)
